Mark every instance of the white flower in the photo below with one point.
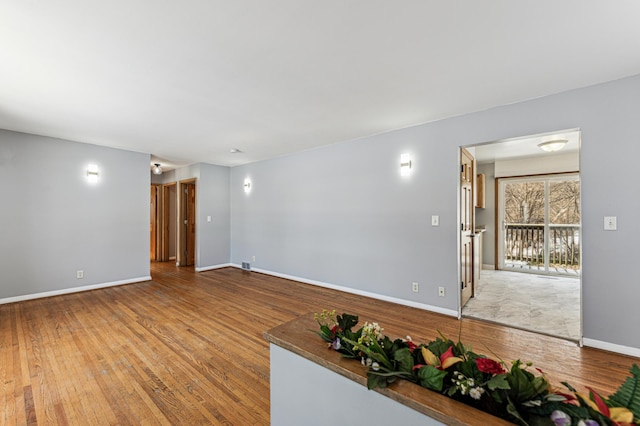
(476, 393)
(375, 366)
(366, 361)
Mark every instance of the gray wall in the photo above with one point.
(342, 214)
(54, 223)
(213, 238)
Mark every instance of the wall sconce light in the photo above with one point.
(247, 185)
(157, 170)
(405, 165)
(553, 146)
(92, 173)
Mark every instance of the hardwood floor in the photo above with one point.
(188, 348)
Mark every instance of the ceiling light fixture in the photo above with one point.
(553, 146)
(157, 170)
(235, 151)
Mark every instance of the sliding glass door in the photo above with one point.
(539, 220)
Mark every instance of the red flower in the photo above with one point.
(487, 365)
(412, 346)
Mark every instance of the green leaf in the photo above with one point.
(346, 321)
(404, 360)
(511, 409)
(376, 381)
(325, 333)
(568, 386)
(628, 394)
(431, 378)
(498, 381)
(524, 386)
(439, 346)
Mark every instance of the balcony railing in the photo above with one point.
(524, 247)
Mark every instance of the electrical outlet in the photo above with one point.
(415, 287)
(253, 258)
(435, 220)
(79, 274)
(440, 291)
(610, 223)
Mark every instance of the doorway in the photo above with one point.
(163, 222)
(186, 254)
(154, 241)
(501, 292)
(169, 221)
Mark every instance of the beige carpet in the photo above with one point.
(545, 304)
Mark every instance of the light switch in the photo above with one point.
(435, 220)
(208, 218)
(610, 223)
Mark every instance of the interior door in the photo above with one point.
(153, 223)
(467, 177)
(191, 224)
(169, 213)
(187, 250)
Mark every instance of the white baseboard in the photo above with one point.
(208, 268)
(72, 290)
(423, 306)
(488, 267)
(611, 347)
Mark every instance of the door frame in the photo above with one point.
(496, 207)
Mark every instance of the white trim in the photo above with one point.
(72, 290)
(208, 268)
(488, 267)
(425, 307)
(611, 347)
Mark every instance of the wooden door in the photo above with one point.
(153, 223)
(169, 215)
(467, 176)
(191, 224)
(187, 251)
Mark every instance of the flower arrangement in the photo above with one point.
(512, 392)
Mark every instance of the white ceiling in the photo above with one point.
(187, 81)
(527, 146)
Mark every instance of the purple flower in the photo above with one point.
(588, 423)
(560, 418)
(336, 344)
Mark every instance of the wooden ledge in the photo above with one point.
(300, 337)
